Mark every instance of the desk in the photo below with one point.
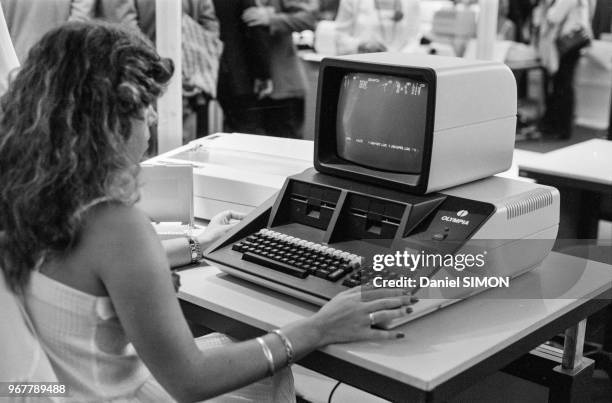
(583, 174)
(442, 353)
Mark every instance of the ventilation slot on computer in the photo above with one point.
(527, 205)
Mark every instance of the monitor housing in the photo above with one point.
(441, 121)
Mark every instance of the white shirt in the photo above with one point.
(394, 23)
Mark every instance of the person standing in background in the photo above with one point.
(557, 18)
(200, 35)
(602, 17)
(282, 113)
(118, 11)
(520, 12)
(29, 20)
(506, 29)
(202, 11)
(244, 72)
(364, 26)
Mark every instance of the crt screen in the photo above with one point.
(381, 122)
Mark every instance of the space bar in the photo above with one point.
(274, 265)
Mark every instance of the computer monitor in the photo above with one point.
(371, 108)
(419, 123)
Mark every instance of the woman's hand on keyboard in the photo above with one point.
(350, 315)
(219, 225)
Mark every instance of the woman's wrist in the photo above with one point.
(205, 239)
(305, 335)
(195, 249)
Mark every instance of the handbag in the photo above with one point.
(572, 41)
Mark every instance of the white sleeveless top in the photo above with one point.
(87, 345)
(89, 351)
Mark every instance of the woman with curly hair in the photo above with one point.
(87, 263)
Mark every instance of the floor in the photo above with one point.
(313, 387)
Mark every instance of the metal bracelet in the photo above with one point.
(288, 346)
(268, 354)
(195, 249)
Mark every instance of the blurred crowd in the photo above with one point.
(240, 52)
(243, 53)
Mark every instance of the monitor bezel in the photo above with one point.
(326, 159)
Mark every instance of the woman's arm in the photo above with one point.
(294, 16)
(178, 250)
(135, 273)
(133, 267)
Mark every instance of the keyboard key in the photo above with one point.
(274, 265)
(323, 273)
(335, 275)
(351, 283)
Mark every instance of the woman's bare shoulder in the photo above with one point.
(118, 234)
(113, 236)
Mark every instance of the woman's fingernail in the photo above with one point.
(408, 310)
(414, 299)
(400, 335)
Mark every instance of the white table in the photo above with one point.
(583, 174)
(442, 353)
(589, 161)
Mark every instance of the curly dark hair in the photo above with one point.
(64, 128)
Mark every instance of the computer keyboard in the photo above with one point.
(300, 258)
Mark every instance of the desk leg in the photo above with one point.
(571, 380)
(573, 346)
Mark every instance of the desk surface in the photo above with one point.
(589, 161)
(526, 64)
(437, 347)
